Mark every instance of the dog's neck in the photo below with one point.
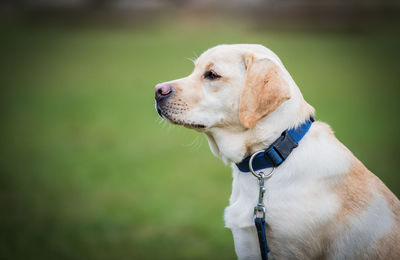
(234, 144)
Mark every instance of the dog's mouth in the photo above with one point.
(176, 121)
(194, 126)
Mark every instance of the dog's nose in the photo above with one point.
(163, 91)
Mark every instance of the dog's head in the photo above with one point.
(231, 85)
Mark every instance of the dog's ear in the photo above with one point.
(263, 91)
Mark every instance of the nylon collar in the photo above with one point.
(279, 150)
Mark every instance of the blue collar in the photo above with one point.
(279, 150)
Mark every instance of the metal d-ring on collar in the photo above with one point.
(258, 175)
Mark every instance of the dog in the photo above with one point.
(321, 202)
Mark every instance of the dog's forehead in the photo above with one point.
(217, 55)
(231, 53)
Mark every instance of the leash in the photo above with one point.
(272, 157)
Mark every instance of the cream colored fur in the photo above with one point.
(321, 203)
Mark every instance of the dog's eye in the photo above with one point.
(211, 75)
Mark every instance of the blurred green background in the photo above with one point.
(89, 171)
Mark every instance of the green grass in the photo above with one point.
(87, 171)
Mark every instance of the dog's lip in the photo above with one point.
(185, 124)
(196, 126)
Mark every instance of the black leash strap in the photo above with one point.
(262, 237)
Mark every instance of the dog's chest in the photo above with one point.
(297, 214)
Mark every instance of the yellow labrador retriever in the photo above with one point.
(321, 202)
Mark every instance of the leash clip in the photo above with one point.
(259, 210)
